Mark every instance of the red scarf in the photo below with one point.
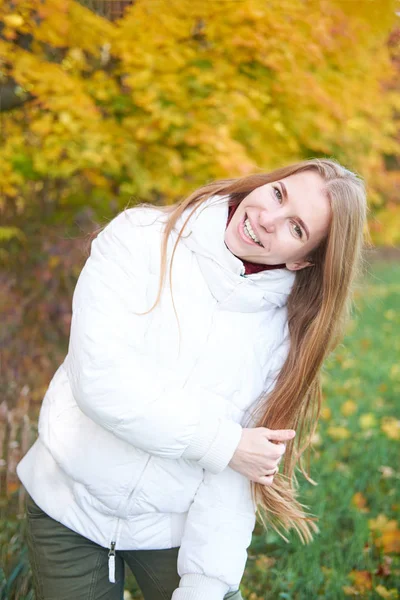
(250, 267)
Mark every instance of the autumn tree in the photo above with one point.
(96, 114)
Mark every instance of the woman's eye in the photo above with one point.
(298, 231)
(277, 193)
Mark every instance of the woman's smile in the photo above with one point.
(247, 233)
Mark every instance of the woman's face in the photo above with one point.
(281, 222)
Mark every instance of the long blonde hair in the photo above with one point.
(318, 308)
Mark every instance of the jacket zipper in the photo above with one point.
(113, 543)
(111, 563)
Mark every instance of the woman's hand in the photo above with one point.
(259, 453)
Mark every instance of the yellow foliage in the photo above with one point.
(13, 21)
(174, 95)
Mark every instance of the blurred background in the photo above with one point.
(105, 103)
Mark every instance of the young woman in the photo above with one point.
(197, 338)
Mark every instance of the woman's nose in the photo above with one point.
(268, 221)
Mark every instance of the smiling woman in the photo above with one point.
(309, 214)
(160, 439)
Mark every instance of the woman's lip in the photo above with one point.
(242, 233)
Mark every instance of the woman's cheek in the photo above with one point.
(287, 246)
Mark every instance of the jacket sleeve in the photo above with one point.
(112, 380)
(218, 530)
(213, 552)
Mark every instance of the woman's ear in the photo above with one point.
(300, 264)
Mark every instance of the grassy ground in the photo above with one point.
(356, 464)
(355, 461)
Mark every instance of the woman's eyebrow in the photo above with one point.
(286, 196)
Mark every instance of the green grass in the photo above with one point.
(366, 370)
(348, 457)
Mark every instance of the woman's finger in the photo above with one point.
(266, 480)
(280, 435)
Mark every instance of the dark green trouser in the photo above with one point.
(67, 566)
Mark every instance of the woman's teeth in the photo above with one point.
(250, 233)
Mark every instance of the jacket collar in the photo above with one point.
(223, 271)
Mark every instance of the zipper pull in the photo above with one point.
(111, 563)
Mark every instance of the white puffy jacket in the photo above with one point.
(139, 423)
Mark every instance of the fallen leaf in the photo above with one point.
(362, 583)
(338, 433)
(362, 580)
(360, 502)
(348, 408)
(391, 594)
(390, 541)
(386, 534)
(265, 562)
(367, 421)
(326, 413)
(350, 590)
(391, 428)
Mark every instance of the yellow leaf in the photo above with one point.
(265, 562)
(349, 590)
(367, 421)
(338, 433)
(326, 413)
(348, 408)
(386, 534)
(13, 20)
(362, 580)
(360, 502)
(390, 541)
(391, 428)
(378, 524)
(391, 594)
